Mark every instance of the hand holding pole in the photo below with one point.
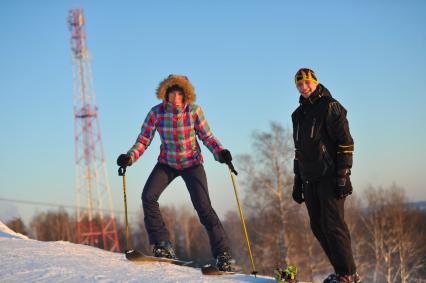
(231, 168)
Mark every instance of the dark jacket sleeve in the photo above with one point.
(338, 129)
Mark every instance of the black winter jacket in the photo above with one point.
(323, 143)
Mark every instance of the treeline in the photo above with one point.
(388, 237)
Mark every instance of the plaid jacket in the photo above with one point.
(177, 128)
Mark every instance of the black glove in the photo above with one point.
(298, 190)
(225, 156)
(343, 183)
(124, 160)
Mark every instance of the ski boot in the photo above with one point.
(339, 278)
(164, 249)
(224, 262)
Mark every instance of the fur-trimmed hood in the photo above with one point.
(181, 81)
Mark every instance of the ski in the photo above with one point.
(139, 257)
(213, 270)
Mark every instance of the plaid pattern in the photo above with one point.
(178, 128)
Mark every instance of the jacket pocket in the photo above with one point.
(327, 156)
(327, 160)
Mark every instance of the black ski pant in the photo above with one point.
(326, 214)
(196, 183)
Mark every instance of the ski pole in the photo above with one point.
(122, 172)
(231, 172)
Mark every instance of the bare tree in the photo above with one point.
(18, 226)
(268, 178)
(355, 222)
(410, 244)
(394, 237)
(53, 226)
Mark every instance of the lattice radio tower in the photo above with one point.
(96, 224)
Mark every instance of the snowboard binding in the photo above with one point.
(286, 275)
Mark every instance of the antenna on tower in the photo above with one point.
(92, 186)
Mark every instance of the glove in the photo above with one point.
(343, 183)
(298, 190)
(225, 156)
(124, 160)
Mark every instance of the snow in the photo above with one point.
(5, 232)
(26, 260)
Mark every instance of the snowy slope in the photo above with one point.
(25, 260)
(5, 232)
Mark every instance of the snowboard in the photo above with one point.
(139, 257)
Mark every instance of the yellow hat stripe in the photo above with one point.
(305, 75)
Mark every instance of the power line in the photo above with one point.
(58, 205)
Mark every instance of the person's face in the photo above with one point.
(176, 98)
(306, 87)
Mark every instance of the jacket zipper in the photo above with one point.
(313, 127)
(297, 132)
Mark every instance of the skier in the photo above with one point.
(178, 121)
(322, 168)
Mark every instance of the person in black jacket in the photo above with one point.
(322, 168)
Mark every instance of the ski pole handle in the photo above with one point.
(121, 171)
(231, 167)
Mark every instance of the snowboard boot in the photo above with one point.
(224, 262)
(164, 249)
(339, 278)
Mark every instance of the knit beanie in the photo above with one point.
(305, 74)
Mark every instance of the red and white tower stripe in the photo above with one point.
(96, 224)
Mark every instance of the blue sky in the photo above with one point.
(241, 57)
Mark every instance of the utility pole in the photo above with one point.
(93, 192)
